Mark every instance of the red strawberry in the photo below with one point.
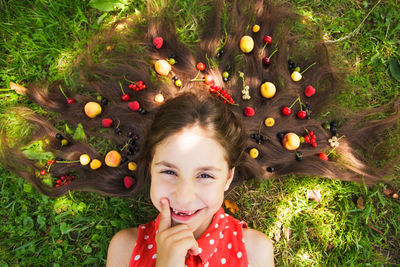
(134, 105)
(309, 91)
(107, 123)
(249, 112)
(158, 42)
(128, 182)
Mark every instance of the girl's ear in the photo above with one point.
(230, 178)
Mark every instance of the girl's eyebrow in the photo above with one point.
(203, 168)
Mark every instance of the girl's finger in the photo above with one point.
(165, 220)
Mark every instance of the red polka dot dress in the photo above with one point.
(221, 245)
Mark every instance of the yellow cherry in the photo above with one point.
(92, 109)
(159, 98)
(291, 141)
(95, 164)
(269, 122)
(268, 90)
(84, 159)
(246, 44)
(162, 67)
(296, 76)
(132, 166)
(113, 158)
(256, 28)
(254, 153)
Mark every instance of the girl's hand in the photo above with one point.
(173, 243)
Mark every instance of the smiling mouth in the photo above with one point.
(184, 213)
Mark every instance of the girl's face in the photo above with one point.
(190, 169)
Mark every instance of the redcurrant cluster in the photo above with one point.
(64, 180)
(221, 93)
(311, 138)
(137, 86)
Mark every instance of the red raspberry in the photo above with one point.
(128, 182)
(158, 42)
(107, 123)
(249, 112)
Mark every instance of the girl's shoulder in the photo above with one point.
(121, 247)
(259, 248)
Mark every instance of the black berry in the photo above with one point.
(104, 101)
(59, 136)
(270, 169)
(117, 131)
(225, 79)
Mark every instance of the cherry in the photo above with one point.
(208, 79)
(70, 101)
(200, 66)
(286, 111)
(323, 156)
(125, 97)
(301, 114)
(267, 39)
(43, 172)
(266, 61)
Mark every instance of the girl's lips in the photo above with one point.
(183, 215)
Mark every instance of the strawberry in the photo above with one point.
(134, 105)
(309, 91)
(128, 182)
(107, 123)
(158, 42)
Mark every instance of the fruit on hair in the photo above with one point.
(128, 182)
(323, 156)
(268, 90)
(291, 141)
(95, 164)
(269, 122)
(246, 44)
(162, 67)
(158, 42)
(254, 153)
(92, 109)
(200, 66)
(84, 159)
(256, 28)
(134, 105)
(267, 39)
(113, 158)
(208, 79)
(132, 166)
(286, 111)
(249, 112)
(107, 123)
(309, 91)
(296, 76)
(301, 114)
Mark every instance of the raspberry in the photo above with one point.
(158, 42)
(249, 112)
(107, 123)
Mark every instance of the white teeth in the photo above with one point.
(187, 214)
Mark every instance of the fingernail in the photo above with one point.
(163, 200)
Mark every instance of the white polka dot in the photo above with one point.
(200, 250)
(223, 260)
(234, 232)
(222, 216)
(221, 235)
(216, 225)
(156, 231)
(150, 246)
(211, 241)
(137, 257)
(239, 255)
(243, 240)
(215, 250)
(207, 235)
(229, 246)
(143, 227)
(146, 237)
(154, 256)
(206, 265)
(226, 227)
(226, 214)
(241, 222)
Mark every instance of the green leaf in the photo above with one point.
(107, 5)
(41, 221)
(394, 67)
(63, 227)
(68, 130)
(101, 18)
(35, 151)
(87, 249)
(79, 133)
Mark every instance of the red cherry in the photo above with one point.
(107, 123)
(301, 114)
(70, 101)
(266, 61)
(267, 39)
(309, 91)
(208, 79)
(200, 66)
(43, 172)
(134, 105)
(125, 97)
(286, 111)
(249, 112)
(323, 156)
(128, 182)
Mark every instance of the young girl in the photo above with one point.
(194, 156)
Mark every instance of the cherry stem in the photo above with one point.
(120, 85)
(119, 122)
(129, 80)
(198, 73)
(62, 91)
(124, 146)
(265, 45)
(197, 80)
(69, 161)
(5, 89)
(308, 67)
(273, 53)
(297, 99)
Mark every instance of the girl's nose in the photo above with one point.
(185, 193)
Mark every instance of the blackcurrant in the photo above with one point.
(104, 101)
(117, 131)
(175, 78)
(253, 136)
(225, 79)
(59, 136)
(270, 169)
(173, 56)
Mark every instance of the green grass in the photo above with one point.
(40, 39)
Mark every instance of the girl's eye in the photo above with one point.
(169, 172)
(205, 175)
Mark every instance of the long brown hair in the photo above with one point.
(130, 55)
